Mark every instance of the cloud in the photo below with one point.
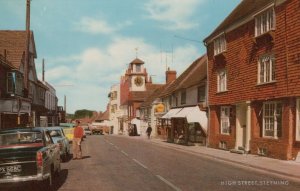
(174, 14)
(93, 71)
(94, 26)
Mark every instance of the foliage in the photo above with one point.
(83, 113)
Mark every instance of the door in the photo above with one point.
(241, 123)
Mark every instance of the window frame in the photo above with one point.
(270, 118)
(265, 22)
(14, 83)
(183, 97)
(220, 45)
(297, 120)
(266, 69)
(201, 94)
(225, 119)
(222, 84)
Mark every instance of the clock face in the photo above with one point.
(138, 81)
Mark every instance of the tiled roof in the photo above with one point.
(103, 116)
(196, 75)
(180, 82)
(137, 61)
(14, 42)
(244, 9)
(151, 97)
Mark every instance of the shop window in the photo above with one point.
(201, 94)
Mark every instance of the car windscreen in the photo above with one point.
(55, 133)
(20, 138)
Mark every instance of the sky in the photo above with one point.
(88, 44)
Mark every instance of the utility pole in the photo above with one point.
(43, 72)
(26, 64)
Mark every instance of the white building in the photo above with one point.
(115, 112)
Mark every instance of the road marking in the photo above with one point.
(140, 163)
(111, 144)
(124, 153)
(117, 147)
(168, 183)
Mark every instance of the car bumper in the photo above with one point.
(38, 177)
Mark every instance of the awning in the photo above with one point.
(171, 113)
(193, 115)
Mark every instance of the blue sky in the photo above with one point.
(89, 43)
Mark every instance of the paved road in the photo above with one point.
(118, 163)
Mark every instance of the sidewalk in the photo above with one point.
(285, 169)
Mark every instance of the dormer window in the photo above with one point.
(265, 22)
(219, 45)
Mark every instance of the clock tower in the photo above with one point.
(137, 75)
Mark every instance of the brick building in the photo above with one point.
(254, 82)
(135, 86)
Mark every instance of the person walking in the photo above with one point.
(148, 131)
(78, 134)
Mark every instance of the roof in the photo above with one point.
(188, 78)
(104, 116)
(14, 42)
(151, 98)
(197, 75)
(137, 61)
(244, 9)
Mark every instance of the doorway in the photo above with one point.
(241, 126)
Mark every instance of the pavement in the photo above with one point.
(285, 169)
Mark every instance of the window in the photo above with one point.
(219, 45)
(272, 119)
(138, 68)
(265, 22)
(183, 97)
(201, 94)
(298, 121)
(14, 83)
(222, 81)
(266, 69)
(225, 124)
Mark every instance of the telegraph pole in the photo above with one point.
(26, 63)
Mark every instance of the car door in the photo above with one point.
(53, 151)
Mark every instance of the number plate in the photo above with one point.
(9, 169)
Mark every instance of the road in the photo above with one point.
(119, 163)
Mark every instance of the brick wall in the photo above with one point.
(241, 62)
(242, 55)
(215, 137)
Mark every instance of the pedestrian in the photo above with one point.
(148, 131)
(78, 134)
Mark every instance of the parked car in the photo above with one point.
(97, 130)
(59, 137)
(87, 131)
(28, 154)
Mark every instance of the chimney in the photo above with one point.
(170, 75)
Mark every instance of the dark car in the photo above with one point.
(28, 154)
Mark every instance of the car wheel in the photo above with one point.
(48, 183)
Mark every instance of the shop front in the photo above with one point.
(14, 113)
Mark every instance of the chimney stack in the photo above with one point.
(170, 75)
